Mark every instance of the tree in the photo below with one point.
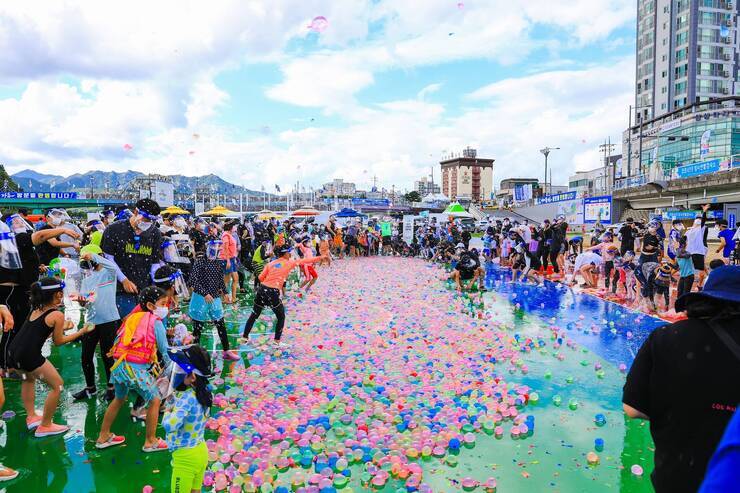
(413, 196)
(6, 182)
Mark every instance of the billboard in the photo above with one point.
(408, 228)
(371, 203)
(39, 195)
(572, 210)
(163, 193)
(597, 208)
(558, 197)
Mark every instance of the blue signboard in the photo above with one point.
(696, 169)
(371, 203)
(558, 197)
(597, 209)
(39, 195)
(690, 215)
(731, 221)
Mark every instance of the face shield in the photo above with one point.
(213, 249)
(9, 256)
(179, 222)
(18, 225)
(145, 220)
(55, 217)
(124, 215)
(170, 254)
(178, 283)
(96, 226)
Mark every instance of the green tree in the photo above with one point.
(6, 182)
(413, 196)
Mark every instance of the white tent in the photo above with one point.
(435, 197)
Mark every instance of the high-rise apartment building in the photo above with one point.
(687, 52)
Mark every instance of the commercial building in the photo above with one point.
(597, 181)
(507, 188)
(425, 187)
(467, 178)
(686, 53)
(339, 188)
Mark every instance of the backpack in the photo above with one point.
(136, 341)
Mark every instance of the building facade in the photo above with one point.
(339, 188)
(687, 52)
(507, 187)
(467, 177)
(425, 187)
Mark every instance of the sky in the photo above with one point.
(263, 94)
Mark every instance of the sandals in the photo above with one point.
(160, 446)
(7, 474)
(112, 441)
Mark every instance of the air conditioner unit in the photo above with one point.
(725, 73)
(729, 5)
(726, 40)
(727, 56)
(728, 23)
(725, 90)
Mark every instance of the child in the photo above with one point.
(24, 353)
(685, 268)
(229, 260)
(98, 295)
(139, 338)
(185, 422)
(6, 473)
(268, 293)
(608, 252)
(207, 282)
(324, 249)
(662, 283)
(309, 271)
(630, 280)
(489, 245)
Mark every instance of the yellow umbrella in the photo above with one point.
(219, 210)
(265, 215)
(173, 209)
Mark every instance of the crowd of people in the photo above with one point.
(116, 282)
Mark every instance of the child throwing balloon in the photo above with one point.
(135, 350)
(24, 354)
(185, 421)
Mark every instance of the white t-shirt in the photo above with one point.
(587, 258)
(695, 241)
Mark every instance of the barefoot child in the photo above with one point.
(24, 353)
(185, 422)
(309, 271)
(139, 337)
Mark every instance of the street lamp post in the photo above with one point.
(546, 152)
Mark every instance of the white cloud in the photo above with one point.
(427, 90)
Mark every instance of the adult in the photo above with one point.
(726, 240)
(696, 244)
(674, 237)
(51, 248)
(627, 237)
(198, 237)
(468, 269)
(559, 243)
(674, 382)
(134, 246)
(651, 245)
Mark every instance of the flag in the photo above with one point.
(277, 188)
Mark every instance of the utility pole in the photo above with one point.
(607, 147)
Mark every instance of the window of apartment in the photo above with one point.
(665, 41)
(682, 38)
(682, 21)
(663, 90)
(704, 86)
(664, 58)
(681, 88)
(664, 74)
(681, 71)
(662, 106)
(708, 35)
(682, 54)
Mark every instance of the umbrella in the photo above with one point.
(456, 210)
(219, 210)
(264, 214)
(306, 211)
(347, 212)
(173, 209)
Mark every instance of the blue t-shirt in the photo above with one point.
(685, 266)
(727, 234)
(722, 471)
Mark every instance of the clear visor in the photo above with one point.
(213, 250)
(19, 225)
(9, 256)
(171, 254)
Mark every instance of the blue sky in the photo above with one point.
(250, 92)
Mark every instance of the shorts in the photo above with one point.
(189, 468)
(25, 362)
(698, 261)
(230, 265)
(134, 376)
(310, 272)
(202, 311)
(267, 297)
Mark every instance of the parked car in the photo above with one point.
(468, 224)
(482, 225)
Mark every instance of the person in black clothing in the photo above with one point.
(468, 269)
(465, 238)
(627, 237)
(134, 246)
(15, 284)
(651, 245)
(199, 237)
(559, 231)
(684, 381)
(49, 249)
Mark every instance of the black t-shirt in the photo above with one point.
(467, 264)
(29, 271)
(46, 253)
(686, 380)
(199, 240)
(627, 234)
(134, 254)
(650, 244)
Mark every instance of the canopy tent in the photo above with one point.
(435, 197)
(219, 210)
(456, 210)
(347, 212)
(305, 212)
(265, 215)
(173, 209)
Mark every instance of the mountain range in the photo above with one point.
(33, 181)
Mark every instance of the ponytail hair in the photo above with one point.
(43, 291)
